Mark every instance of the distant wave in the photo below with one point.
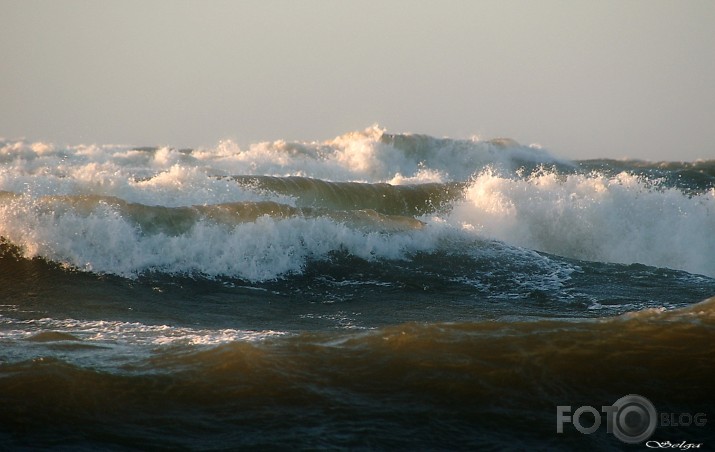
(371, 156)
(266, 211)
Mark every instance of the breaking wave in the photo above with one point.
(266, 211)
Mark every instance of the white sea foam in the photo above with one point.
(110, 345)
(105, 241)
(591, 217)
(367, 156)
(127, 333)
(584, 216)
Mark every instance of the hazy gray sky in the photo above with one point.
(581, 78)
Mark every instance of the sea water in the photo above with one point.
(375, 291)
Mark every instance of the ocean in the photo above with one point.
(376, 291)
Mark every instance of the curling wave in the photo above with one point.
(268, 210)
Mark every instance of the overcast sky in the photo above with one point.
(581, 78)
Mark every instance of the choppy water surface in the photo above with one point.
(374, 291)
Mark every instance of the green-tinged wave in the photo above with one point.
(382, 197)
(461, 385)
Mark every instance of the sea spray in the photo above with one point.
(373, 291)
(593, 217)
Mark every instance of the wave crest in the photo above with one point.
(622, 219)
